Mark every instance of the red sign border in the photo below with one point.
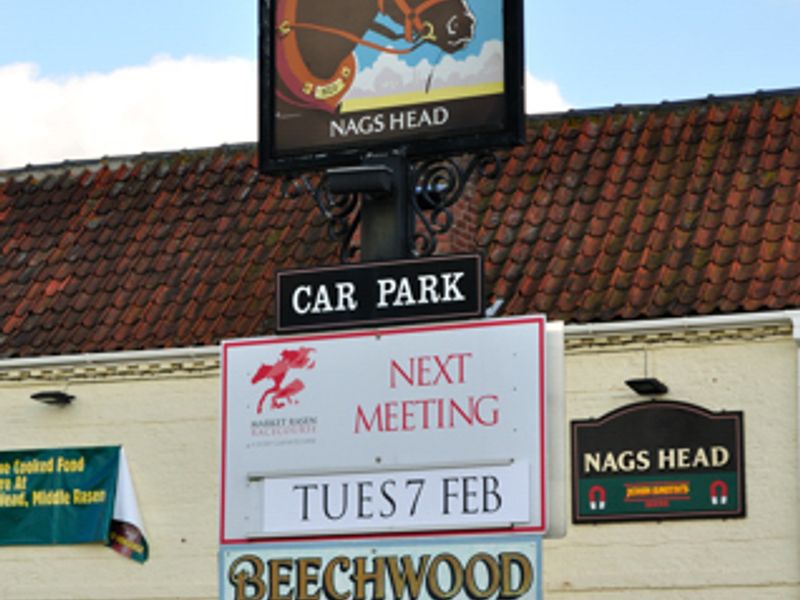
(541, 529)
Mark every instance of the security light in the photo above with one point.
(647, 386)
(369, 179)
(53, 397)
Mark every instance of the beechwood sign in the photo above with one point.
(467, 568)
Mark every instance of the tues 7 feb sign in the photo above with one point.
(410, 429)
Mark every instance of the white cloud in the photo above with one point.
(543, 96)
(392, 75)
(168, 104)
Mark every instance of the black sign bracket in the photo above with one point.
(400, 207)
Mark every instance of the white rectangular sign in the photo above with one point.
(492, 495)
(363, 406)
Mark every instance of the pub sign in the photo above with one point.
(344, 77)
(460, 568)
(658, 460)
(374, 432)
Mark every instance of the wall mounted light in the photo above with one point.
(647, 386)
(53, 397)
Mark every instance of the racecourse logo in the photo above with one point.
(279, 393)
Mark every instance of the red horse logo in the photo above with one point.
(283, 394)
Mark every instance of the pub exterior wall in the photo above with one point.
(167, 418)
(168, 424)
(754, 557)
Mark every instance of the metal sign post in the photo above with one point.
(386, 221)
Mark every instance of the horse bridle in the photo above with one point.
(414, 24)
(413, 18)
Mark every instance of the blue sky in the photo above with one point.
(70, 37)
(190, 65)
(604, 52)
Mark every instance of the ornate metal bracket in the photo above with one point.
(437, 185)
(341, 211)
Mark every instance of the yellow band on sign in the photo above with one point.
(420, 97)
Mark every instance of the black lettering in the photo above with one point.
(388, 497)
(492, 500)
(304, 489)
(363, 499)
(469, 494)
(326, 502)
(448, 494)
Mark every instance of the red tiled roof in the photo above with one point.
(147, 252)
(625, 213)
(646, 212)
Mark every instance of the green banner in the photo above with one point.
(66, 496)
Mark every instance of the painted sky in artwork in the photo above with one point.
(489, 26)
(429, 73)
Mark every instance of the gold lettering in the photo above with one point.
(304, 577)
(443, 576)
(329, 577)
(15, 500)
(34, 465)
(88, 496)
(408, 578)
(70, 465)
(123, 541)
(456, 577)
(494, 576)
(361, 577)
(507, 560)
(277, 579)
(323, 92)
(50, 497)
(246, 575)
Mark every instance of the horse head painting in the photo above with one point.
(315, 41)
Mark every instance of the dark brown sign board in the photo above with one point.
(658, 460)
(342, 78)
(380, 293)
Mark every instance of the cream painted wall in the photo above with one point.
(168, 424)
(168, 421)
(737, 559)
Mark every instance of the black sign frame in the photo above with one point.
(509, 132)
(365, 276)
(665, 434)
